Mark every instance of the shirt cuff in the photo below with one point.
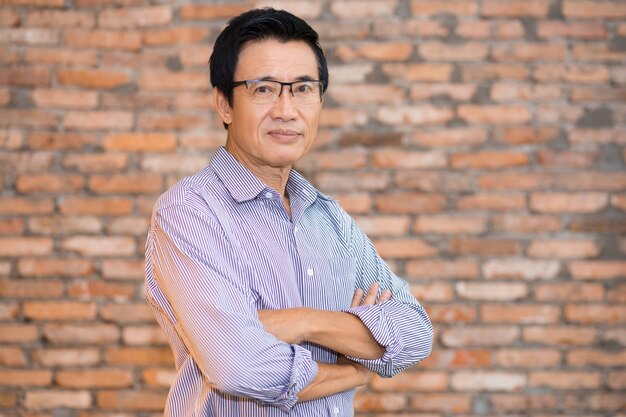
(303, 370)
(376, 318)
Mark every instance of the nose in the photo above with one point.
(284, 107)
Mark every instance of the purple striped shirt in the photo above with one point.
(222, 246)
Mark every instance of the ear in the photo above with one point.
(222, 106)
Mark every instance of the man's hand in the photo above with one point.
(370, 298)
(364, 373)
(288, 325)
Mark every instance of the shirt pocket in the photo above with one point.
(328, 283)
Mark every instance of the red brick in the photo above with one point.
(560, 335)
(596, 52)
(363, 9)
(81, 334)
(449, 224)
(444, 402)
(173, 81)
(9, 311)
(11, 139)
(354, 203)
(596, 357)
(529, 92)
(99, 245)
(25, 246)
(514, 268)
(481, 247)
(479, 336)
(571, 73)
(487, 381)
(493, 71)
(64, 225)
(379, 402)
(553, 159)
(151, 142)
(615, 336)
(414, 115)
(158, 377)
(143, 336)
(450, 137)
(60, 56)
(433, 292)
(96, 79)
(25, 76)
(367, 94)
(95, 378)
(587, 9)
(596, 94)
(528, 358)
(523, 314)
(474, 29)
(31, 288)
(98, 120)
(52, 357)
(52, 399)
(37, 378)
(563, 249)
(458, 92)
(565, 379)
(404, 248)
(193, 101)
(458, 359)
(530, 52)
(59, 140)
(11, 226)
(452, 314)
(494, 114)
(99, 289)
(408, 203)
(569, 291)
(126, 183)
(103, 39)
(96, 205)
(49, 183)
(18, 333)
(127, 313)
(162, 121)
(568, 202)
(507, 181)
(526, 223)
(30, 36)
(509, 29)
(488, 160)
(127, 18)
(598, 270)
(496, 202)
(57, 98)
(175, 36)
(58, 310)
(18, 162)
(89, 163)
(597, 136)
(433, 181)
(595, 313)
(617, 294)
(12, 356)
(603, 401)
(337, 160)
(429, 72)
(438, 51)
(9, 18)
(128, 225)
(397, 159)
(440, 269)
(48, 3)
(101, 3)
(411, 381)
(592, 180)
(380, 51)
(58, 18)
(210, 12)
(492, 291)
(138, 356)
(353, 181)
(582, 30)
(454, 7)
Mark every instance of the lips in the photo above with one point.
(285, 134)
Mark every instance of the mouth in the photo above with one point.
(284, 134)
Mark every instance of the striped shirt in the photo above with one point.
(221, 246)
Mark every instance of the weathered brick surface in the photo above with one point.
(480, 143)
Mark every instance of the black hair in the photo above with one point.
(258, 25)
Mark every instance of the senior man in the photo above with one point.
(273, 300)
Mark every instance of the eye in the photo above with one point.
(263, 89)
(304, 88)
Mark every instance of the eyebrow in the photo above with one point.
(300, 78)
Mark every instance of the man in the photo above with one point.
(273, 300)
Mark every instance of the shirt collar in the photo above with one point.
(243, 185)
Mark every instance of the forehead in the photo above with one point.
(283, 61)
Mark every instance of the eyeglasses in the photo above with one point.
(268, 91)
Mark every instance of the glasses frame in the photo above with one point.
(282, 85)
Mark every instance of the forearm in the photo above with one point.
(343, 333)
(334, 378)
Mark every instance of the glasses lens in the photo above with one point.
(267, 92)
(263, 92)
(306, 91)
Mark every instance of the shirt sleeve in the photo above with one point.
(400, 325)
(215, 314)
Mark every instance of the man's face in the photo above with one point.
(280, 133)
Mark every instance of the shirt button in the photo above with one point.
(309, 272)
(268, 195)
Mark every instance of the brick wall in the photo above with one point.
(480, 143)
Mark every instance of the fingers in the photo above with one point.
(356, 299)
(386, 295)
(372, 294)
